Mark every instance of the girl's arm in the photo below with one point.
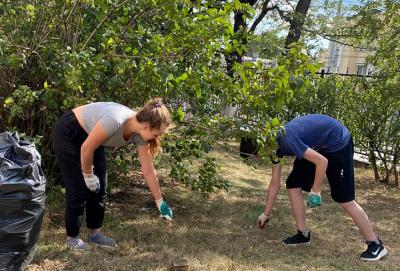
(149, 172)
(95, 139)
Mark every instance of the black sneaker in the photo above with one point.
(374, 252)
(297, 239)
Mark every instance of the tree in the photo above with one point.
(246, 21)
(55, 55)
(297, 21)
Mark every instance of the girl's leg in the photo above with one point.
(67, 138)
(95, 206)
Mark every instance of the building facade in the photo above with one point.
(345, 59)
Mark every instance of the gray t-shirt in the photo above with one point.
(112, 117)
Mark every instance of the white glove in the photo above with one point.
(92, 182)
(262, 220)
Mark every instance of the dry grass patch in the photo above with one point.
(221, 233)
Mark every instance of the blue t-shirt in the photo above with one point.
(316, 131)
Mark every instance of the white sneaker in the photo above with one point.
(75, 244)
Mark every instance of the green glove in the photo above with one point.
(314, 199)
(165, 210)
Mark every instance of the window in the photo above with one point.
(335, 58)
(361, 69)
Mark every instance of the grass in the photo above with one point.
(221, 233)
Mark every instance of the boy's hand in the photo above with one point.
(262, 220)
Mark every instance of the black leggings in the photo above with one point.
(68, 137)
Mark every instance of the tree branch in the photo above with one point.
(8, 83)
(265, 9)
(102, 22)
(50, 30)
(330, 38)
(132, 20)
(283, 15)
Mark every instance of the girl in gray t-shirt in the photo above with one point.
(79, 137)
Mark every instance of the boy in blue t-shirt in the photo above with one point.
(322, 145)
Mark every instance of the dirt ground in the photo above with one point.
(220, 233)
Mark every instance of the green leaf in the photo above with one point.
(110, 41)
(9, 101)
(275, 122)
(30, 8)
(312, 68)
(180, 114)
(198, 92)
(182, 77)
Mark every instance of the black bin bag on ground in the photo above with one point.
(22, 201)
(248, 147)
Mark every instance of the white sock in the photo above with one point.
(305, 233)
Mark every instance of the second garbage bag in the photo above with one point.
(22, 201)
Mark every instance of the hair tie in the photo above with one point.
(157, 104)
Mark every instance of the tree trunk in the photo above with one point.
(297, 22)
(372, 159)
(395, 162)
(238, 25)
(375, 168)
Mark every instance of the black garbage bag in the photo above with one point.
(22, 201)
(248, 147)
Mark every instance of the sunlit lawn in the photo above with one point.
(221, 233)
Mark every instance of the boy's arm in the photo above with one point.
(273, 189)
(321, 164)
(272, 192)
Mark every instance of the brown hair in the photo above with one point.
(157, 115)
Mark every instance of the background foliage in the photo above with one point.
(55, 55)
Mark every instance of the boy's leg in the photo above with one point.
(302, 237)
(298, 209)
(360, 218)
(340, 174)
(299, 179)
(375, 250)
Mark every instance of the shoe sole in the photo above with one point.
(76, 249)
(296, 245)
(103, 246)
(377, 258)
